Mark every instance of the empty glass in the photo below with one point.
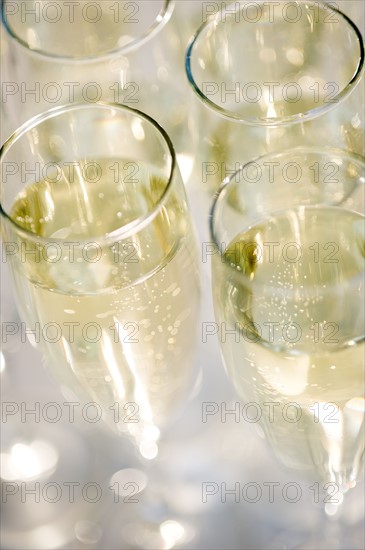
(274, 75)
(121, 52)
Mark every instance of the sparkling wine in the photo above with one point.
(115, 321)
(291, 292)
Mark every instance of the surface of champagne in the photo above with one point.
(126, 316)
(292, 286)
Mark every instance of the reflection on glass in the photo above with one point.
(121, 52)
(288, 281)
(104, 261)
(271, 76)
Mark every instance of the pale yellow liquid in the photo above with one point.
(143, 293)
(322, 373)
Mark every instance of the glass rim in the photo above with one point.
(122, 232)
(264, 121)
(160, 21)
(223, 189)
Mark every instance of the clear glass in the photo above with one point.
(121, 52)
(269, 76)
(102, 249)
(354, 9)
(288, 289)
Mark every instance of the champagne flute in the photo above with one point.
(270, 75)
(288, 288)
(122, 52)
(99, 240)
(102, 250)
(100, 60)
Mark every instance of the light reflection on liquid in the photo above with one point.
(186, 163)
